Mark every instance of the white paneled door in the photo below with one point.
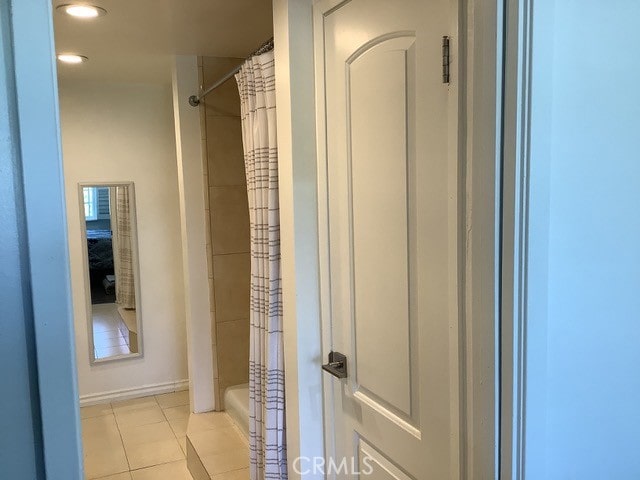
(388, 195)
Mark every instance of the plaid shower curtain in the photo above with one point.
(256, 84)
(125, 281)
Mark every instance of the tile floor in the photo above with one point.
(140, 439)
(108, 340)
(222, 450)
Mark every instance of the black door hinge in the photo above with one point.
(446, 76)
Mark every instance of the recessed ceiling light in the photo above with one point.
(81, 10)
(72, 58)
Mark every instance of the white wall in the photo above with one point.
(582, 331)
(191, 182)
(125, 132)
(295, 97)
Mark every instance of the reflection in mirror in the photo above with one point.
(111, 270)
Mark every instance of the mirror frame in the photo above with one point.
(85, 267)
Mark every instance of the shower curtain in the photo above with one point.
(123, 265)
(256, 84)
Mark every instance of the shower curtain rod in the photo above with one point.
(194, 100)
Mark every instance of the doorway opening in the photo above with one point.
(140, 373)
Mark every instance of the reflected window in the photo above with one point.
(90, 195)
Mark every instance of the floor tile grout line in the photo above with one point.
(171, 426)
(112, 411)
(131, 470)
(156, 465)
(121, 439)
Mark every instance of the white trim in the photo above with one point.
(515, 211)
(456, 166)
(135, 392)
(320, 10)
(480, 105)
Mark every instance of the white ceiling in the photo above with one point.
(135, 40)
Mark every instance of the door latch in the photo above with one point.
(337, 365)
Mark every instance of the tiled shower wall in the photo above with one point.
(228, 226)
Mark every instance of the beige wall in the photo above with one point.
(124, 132)
(228, 217)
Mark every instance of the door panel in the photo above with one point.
(375, 466)
(390, 277)
(380, 203)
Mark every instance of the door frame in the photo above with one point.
(479, 68)
(515, 198)
(36, 98)
(481, 24)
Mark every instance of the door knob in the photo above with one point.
(337, 365)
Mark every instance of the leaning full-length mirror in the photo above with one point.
(111, 270)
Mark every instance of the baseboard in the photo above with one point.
(135, 392)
